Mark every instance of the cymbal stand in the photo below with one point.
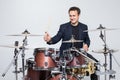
(103, 37)
(23, 55)
(72, 38)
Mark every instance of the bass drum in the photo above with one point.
(31, 74)
(59, 77)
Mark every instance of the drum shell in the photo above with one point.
(43, 59)
(77, 61)
(83, 71)
(31, 74)
(57, 77)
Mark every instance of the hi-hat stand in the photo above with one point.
(13, 61)
(16, 61)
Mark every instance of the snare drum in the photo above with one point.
(43, 59)
(82, 71)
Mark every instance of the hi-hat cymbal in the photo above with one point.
(101, 28)
(109, 72)
(18, 47)
(25, 33)
(72, 40)
(107, 51)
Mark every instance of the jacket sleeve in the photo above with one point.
(86, 37)
(58, 36)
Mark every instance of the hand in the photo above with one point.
(85, 47)
(47, 37)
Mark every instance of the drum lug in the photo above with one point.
(46, 64)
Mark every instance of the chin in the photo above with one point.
(73, 22)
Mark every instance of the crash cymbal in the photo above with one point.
(107, 51)
(100, 28)
(25, 33)
(8, 46)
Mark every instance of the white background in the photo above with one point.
(38, 16)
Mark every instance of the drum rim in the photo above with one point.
(43, 69)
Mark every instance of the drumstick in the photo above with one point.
(48, 26)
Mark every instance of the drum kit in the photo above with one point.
(48, 65)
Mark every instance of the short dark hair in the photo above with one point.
(75, 8)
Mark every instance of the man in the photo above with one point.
(75, 28)
(67, 31)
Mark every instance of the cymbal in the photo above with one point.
(103, 51)
(100, 28)
(109, 72)
(25, 33)
(72, 40)
(9, 46)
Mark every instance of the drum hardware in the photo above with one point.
(49, 52)
(112, 76)
(22, 48)
(63, 62)
(23, 51)
(107, 72)
(13, 61)
(63, 67)
(105, 51)
(83, 54)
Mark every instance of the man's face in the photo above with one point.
(74, 17)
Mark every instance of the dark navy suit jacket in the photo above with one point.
(65, 33)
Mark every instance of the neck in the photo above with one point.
(74, 24)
